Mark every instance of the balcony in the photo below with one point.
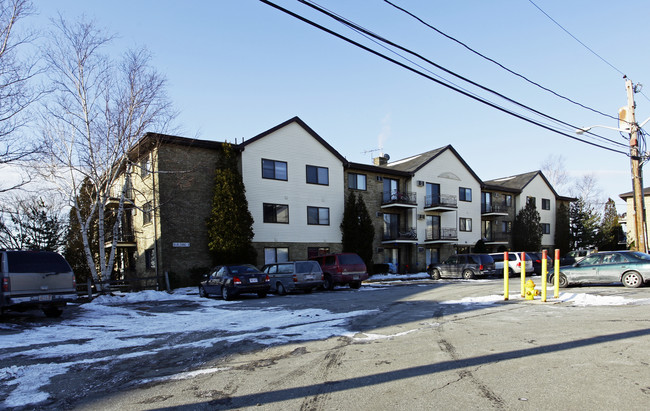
(441, 236)
(488, 210)
(405, 235)
(115, 194)
(496, 238)
(403, 199)
(443, 202)
(125, 238)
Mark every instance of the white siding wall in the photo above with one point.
(539, 189)
(451, 174)
(295, 146)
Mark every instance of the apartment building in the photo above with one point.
(424, 207)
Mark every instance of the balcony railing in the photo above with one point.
(123, 236)
(400, 233)
(443, 234)
(496, 237)
(495, 208)
(442, 200)
(116, 193)
(399, 197)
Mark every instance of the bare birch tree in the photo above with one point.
(17, 93)
(99, 108)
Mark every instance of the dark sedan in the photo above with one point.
(632, 268)
(229, 281)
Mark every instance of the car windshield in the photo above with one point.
(243, 269)
(36, 262)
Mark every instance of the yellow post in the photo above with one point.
(506, 278)
(523, 274)
(544, 273)
(556, 277)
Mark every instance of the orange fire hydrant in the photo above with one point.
(529, 290)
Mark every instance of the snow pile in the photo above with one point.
(579, 299)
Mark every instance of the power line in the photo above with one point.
(575, 38)
(499, 64)
(366, 33)
(429, 77)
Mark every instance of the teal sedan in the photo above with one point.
(631, 268)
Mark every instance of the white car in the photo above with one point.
(514, 263)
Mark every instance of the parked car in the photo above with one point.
(342, 269)
(35, 280)
(465, 266)
(514, 263)
(229, 281)
(537, 262)
(293, 276)
(575, 255)
(632, 268)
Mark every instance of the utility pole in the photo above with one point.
(635, 160)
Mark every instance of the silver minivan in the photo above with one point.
(514, 263)
(294, 276)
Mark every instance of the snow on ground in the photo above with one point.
(109, 324)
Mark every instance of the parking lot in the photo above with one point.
(399, 344)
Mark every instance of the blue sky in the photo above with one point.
(238, 68)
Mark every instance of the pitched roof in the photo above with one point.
(302, 124)
(646, 191)
(414, 163)
(517, 183)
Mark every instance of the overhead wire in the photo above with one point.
(497, 63)
(366, 33)
(432, 78)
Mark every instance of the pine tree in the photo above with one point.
(583, 225)
(366, 232)
(350, 225)
(357, 230)
(527, 230)
(230, 225)
(610, 228)
(562, 239)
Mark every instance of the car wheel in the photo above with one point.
(52, 312)
(261, 294)
(279, 288)
(468, 274)
(435, 274)
(632, 280)
(226, 294)
(564, 283)
(355, 284)
(327, 283)
(202, 292)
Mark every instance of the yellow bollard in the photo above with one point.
(544, 274)
(506, 278)
(556, 277)
(523, 274)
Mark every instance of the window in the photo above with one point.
(318, 175)
(275, 170)
(465, 194)
(546, 228)
(147, 213)
(276, 213)
(465, 224)
(506, 227)
(546, 204)
(276, 255)
(316, 251)
(531, 200)
(150, 258)
(318, 216)
(508, 201)
(357, 181)
(433, 227)
(145, 166)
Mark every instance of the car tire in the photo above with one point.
(435, 274)
(327, 283)
(52, 312)
(261, 294)
(355, 284)
(468, 274)
(279, 288)
(226, 294)
(564, 282)
(202, 292)
(632, 280)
